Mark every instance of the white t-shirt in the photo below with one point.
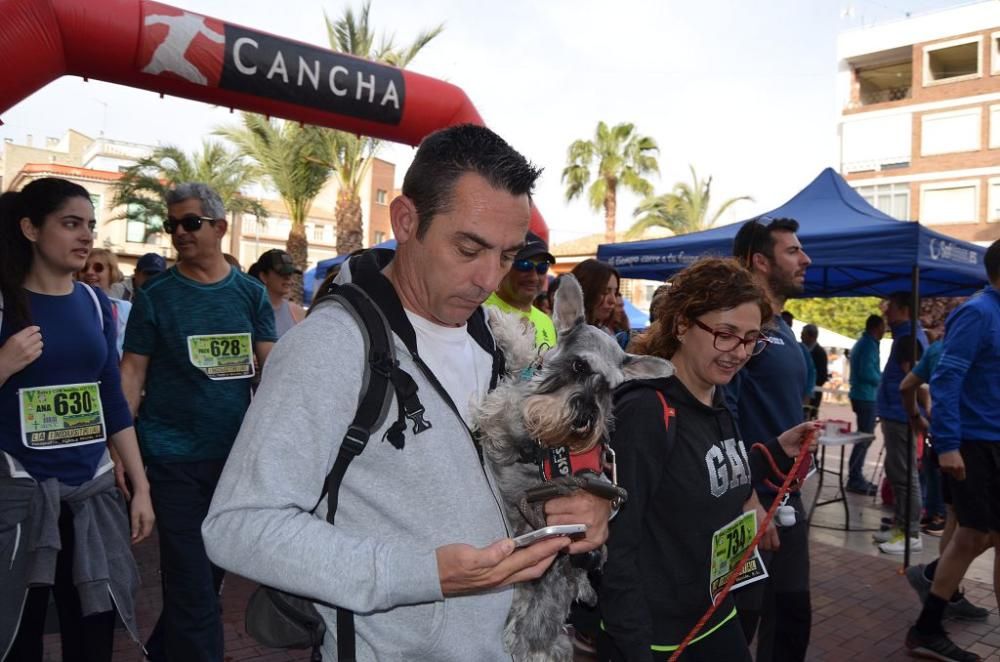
(456, 359)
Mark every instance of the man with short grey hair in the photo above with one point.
(191, 344)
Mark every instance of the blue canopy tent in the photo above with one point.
(636, 318)
(856, 250)
(325, 265)
(309, 284)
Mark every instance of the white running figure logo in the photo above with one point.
(169, 55)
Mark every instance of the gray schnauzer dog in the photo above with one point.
(565, 403)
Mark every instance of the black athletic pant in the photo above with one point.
(779, 610)
(84, 638)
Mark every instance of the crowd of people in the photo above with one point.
(169, 399)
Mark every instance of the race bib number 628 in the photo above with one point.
(222, 356)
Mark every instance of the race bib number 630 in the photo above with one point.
(60, 416)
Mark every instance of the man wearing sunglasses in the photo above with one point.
(190, 344)
(766, 397)
(528, 276)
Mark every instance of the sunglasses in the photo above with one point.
(528, 265)
(96, 267)
(190, 223)
(727, 342)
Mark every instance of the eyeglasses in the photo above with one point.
(96, 267)
(727, 342)
(528, 265)
(190, 223)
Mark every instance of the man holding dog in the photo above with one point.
(420, 551)
(519, 287)
(766, 396)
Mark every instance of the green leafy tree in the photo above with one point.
(685, 209)
(350, 155)
(845, 315)
(622, 157)
(143, 185)
(294, 158)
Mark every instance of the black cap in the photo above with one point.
(151, 263)
(277, 260)
(534, 246)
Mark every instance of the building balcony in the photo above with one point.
(885, 95)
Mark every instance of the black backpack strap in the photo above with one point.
(380, 368)
(479, 329)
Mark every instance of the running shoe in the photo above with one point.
(887, 535)
(866, 489)
(898, 545)
(934, 526)
(963, 610)
(936, 646)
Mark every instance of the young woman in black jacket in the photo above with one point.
(686, 470)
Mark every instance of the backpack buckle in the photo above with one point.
(355, 440)
(420, 424)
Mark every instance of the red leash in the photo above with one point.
(793, 475)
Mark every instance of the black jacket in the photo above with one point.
(684, 483)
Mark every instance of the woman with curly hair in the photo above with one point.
(686, 470)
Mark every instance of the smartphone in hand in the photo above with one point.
(547, 532)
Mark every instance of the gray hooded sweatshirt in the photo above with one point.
(396, 505)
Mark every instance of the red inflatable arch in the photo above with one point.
(153, 46)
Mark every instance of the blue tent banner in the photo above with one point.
(856, 250)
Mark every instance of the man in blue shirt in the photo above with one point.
(866, 372)
(896, 429)
(191, 344)
(767, 396)
(966, 432)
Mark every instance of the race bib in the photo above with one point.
(61, 416)
(225, 356)
(728, 545)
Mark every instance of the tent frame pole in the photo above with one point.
(911, 437)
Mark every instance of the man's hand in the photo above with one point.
(951, 463)
(19, 350)
(581, 508)
(791, 440)
(920, 424)
(466, 569)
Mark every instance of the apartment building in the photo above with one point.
(919, 124)
(96, 164)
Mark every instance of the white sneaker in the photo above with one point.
(887, 535)
(898, 545)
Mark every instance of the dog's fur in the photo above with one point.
(567, 401)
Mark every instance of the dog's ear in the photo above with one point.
(646, 367)
(567, 310)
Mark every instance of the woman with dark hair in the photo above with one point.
(64, 525)
(680, 456)
(599, 282)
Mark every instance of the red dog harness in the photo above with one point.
(559, 462)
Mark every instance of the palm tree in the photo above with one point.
(685, 209)
(351, 155)
(293, 157)
(623, 157)
(143, 185)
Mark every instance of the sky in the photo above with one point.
(742, 91)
